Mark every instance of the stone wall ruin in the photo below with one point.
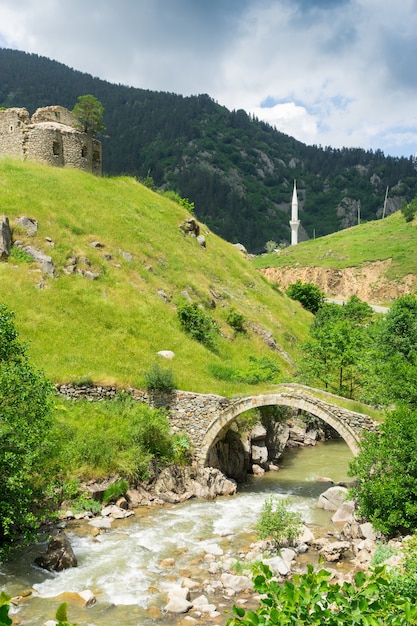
(50, 136)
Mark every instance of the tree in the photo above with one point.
(386, 472)
(392, 370)
(339, 342)
(89, 111)
(308, 294)
(26, 434)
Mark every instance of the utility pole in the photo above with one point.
(385, 203)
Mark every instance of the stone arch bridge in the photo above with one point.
(206, 418)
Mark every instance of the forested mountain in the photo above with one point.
(237, 170)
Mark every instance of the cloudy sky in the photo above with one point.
(328, 72)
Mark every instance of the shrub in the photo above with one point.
(409, 210)
(311, 599)
(308, 294)
(115, 491)
(261, 369)
(278, 523)
(159, 378)
(236, 320)
(386, 473)
(405, 578)
(19, 255)
(198, 324)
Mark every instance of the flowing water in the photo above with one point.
(124, 567)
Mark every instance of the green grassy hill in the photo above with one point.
(392, 238)
(108, 330)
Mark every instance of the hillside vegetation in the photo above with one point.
(237, 170)
(108, 330)
(390, 239)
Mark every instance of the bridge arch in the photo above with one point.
(329, 413)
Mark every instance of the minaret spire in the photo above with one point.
(294, 221)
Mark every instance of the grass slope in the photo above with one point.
(391, 238)
(109, 330)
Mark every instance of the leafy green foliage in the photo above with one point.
(4, 609)
(386, 473)
(335, 352)
(113, 437)
(159, 378)
(181, 449)
(308, 294)
(405, 578)
(236, 320)
(394, 359)
(409, 210)
(27, 435)
(259, 370)
(89, 111)
(311, 599)
(18, 255)
(115, 491)
(61, 615)
(184, 202)
(198, 324)
(278, 523)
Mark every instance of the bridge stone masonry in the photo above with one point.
(206, 418)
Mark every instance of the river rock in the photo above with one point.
(257, 470)
(236, 584)
(306, 536)
(278, 566)
(59, 555)
(367, 531)
(344, 514)
(332, 498)
(334, 550)
(178, 600)
(214, 549)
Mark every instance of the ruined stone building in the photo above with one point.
(50, 136)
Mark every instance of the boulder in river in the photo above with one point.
(59, 555)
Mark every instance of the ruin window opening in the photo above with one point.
(56, 148)
(84, 152)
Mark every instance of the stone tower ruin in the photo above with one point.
(50, 136)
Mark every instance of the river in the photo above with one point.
(124, 568)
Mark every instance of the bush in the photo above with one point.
(409, 210)
(115, 491)
(27, 442)
(386, 473)
(198, 324)
(119, 436)
(278, 523)
(236, 320)
(159, 378)
(405, 578)
(259, 370)
(310, 599)
(308, 294)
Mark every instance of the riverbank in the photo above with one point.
(131, 567)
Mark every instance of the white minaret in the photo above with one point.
(294, 221)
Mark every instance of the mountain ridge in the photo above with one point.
(237, 170)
